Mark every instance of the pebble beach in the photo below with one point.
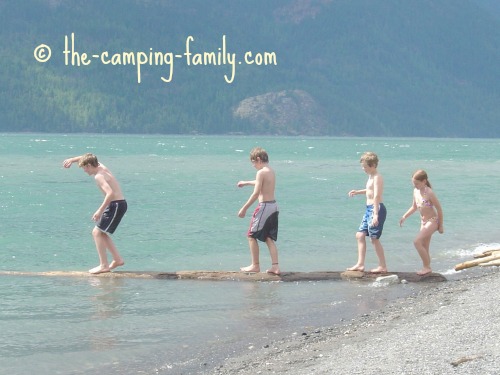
(449, 328)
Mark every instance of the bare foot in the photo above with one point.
(274, 270)
(99, 269)
(115, 264)
(356, 267)
(424, 271)
(379, 270)
(251, 268)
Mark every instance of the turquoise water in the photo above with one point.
(183, 204)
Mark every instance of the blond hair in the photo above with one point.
(370, 158)
(260, 153)
(88, 159)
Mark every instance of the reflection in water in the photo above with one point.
(108, 299)
(107, 303)
(258, 302)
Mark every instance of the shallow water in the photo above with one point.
(72, 325)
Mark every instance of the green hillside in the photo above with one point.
(343, 67)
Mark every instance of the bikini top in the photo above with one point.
(425, 202)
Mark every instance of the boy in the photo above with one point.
(374, 218)
(109, 213)
(264, 223)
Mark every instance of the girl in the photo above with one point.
(431, 215)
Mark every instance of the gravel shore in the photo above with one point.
(449, 328)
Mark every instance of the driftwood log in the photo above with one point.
(239, 276)
(485, 259)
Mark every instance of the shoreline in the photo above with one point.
(447, 328)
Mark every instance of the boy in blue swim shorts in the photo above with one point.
(373, 220)
(369, 230)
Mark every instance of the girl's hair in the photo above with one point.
(421, 175)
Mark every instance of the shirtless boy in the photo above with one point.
(109, 213)
(374, 218)
(264, 223)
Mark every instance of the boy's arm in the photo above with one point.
(108, 195)
(67, 163)
(245, 183)
(378, 189)
(255, 194)
(352, 193)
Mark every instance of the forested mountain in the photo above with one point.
(317, 67)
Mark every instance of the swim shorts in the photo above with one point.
(112, 216)
(264, 223)
(373, 232)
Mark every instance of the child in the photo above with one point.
(431, 215)
(109, 213)
(264, 223)
(374, 218)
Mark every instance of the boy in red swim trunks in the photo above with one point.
(264, 223)
(109, 213)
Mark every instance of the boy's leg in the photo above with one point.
(100, 244)
(254, 253)
(361, 240)
(379, 249)
(117, 259)
(273, 251)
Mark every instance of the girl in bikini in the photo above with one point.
(431, 214)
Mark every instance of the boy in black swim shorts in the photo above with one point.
(112, 216)
(109, 213)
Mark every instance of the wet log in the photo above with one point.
(238, 276)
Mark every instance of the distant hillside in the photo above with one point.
(491, 6)
(345, 67)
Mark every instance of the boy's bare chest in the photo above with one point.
(370, 183)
